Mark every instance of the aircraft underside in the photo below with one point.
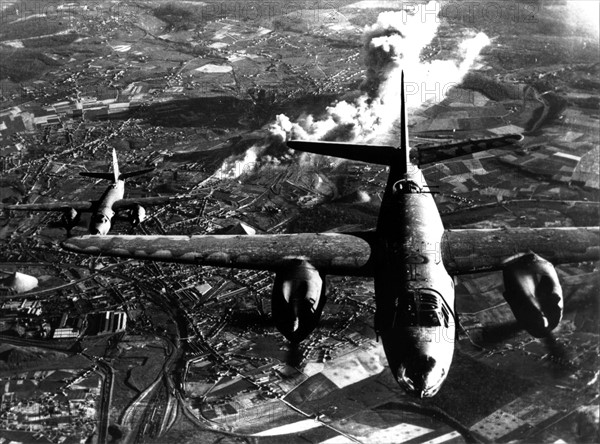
(414, 293)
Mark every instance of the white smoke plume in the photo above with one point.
(392, 45)
(582, 16)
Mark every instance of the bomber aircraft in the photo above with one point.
(410, 255)
(103, 209)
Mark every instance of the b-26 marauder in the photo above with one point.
(410, 255)
(103, 209)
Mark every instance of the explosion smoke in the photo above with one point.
(582, 15)
(394, 43)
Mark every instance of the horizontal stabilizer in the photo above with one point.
(124, 176)
(437, 153)
(105, 176)
(377, 154)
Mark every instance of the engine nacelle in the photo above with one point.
(298, 300)
(534, 294)
(137, 215)
(70, 218)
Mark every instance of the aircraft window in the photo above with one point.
(414, 188)
(446, 315)
(430, 308)
(421, 309)
(415, 258)
(430, 319)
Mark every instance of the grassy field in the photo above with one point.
(19, 65)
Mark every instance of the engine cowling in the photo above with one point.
(137, 214)
(298, 299)
(70, 218)
(534, 294)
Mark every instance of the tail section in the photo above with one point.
(403, 156)
(377, 154)
(116, 174)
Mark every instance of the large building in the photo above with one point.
(113, 322)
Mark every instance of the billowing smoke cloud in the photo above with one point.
(582, 16)
(393, 44)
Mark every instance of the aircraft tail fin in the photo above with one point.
(115, 163)
(404, 125)
(116, 174)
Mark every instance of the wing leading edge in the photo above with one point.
(330, 253)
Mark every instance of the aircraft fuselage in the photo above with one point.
(100, 222)
(414, 293)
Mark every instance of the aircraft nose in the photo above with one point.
(421, 376)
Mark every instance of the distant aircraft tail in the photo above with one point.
(116, 174)
(403, 154)
(115, 166)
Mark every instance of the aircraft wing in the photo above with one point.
(330, 253)
(51, 206)
(473, 250)
(463, 251)
(149, 201)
